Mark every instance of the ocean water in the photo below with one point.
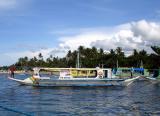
(141, 98)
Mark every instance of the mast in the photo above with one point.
(77, 63)
(141, 65)
(117, 64)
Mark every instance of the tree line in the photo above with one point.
(93, 57)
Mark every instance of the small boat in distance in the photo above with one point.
(74, 77)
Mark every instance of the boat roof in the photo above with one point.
(129, 68)
(59, 69)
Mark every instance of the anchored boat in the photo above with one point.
(74, 77)
(153, 75)
(128, 72)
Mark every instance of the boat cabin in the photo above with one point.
(72, 73)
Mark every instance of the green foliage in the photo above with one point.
(156, 49)
(93, 57)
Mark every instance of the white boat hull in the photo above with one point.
(153, 80)
(98, 82)
(76, 82)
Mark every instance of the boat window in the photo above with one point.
(47, 73)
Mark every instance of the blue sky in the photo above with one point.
(28, 27)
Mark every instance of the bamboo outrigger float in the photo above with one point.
(75, 77)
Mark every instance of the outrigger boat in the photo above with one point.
(74, 77)
(124, 72)
(153, 76)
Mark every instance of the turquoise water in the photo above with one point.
(139, 99)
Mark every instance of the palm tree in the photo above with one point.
(120, 57)
(155, 57)
(156, 49)
(40, 56)
(40, 61)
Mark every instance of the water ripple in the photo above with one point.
(140, 99)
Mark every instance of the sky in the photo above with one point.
(52, 27)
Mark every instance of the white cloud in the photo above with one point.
(11, 58)
(16, 7)
(134, 35)
(8, 4)
(148, 31)
(15, 55)
(85, 39)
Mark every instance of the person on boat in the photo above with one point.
(12, 69)
(100, 73)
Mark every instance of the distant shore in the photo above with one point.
(16, 72)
